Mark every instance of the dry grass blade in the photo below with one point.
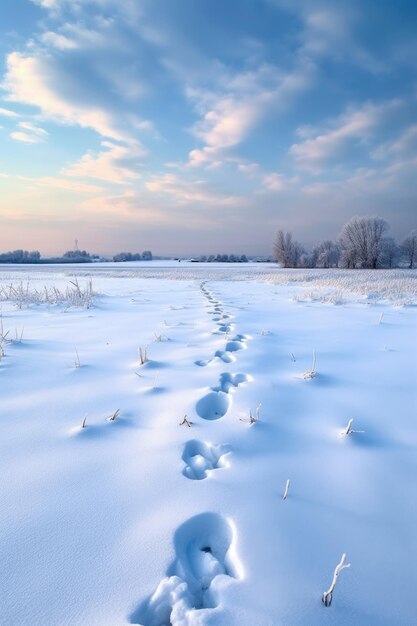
(143, 355)
(349, 430)
(287, 487)
(312, 372)
(252, 419)
(24, 295)
(114, 416)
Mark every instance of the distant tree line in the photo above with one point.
(133, 256)
(71, 256)
(23, 256)
(221, 258)
(362, 244)
(20, 256)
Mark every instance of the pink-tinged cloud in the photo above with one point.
(32, 80)
(110, 164)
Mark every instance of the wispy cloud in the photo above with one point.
(229, 115)
(274, 182)
(115, 164)
(404, 144)
(185, 191)
(328, 144)
(30, 133)
(8, 113)
(47, 4)
(36, 81)
(56, 40)
(67, 185)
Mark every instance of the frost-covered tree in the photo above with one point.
(362, 242)
(409, 248)
(287, 251)
(390, 252)
(283, 248)
(326, 254)
(303, 258)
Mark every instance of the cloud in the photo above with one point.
(30, 133)
(229, 120)
(8, 113)
(229, 115)
(35, 80)
(249, 169)
(274, 182)
(67, 185)
(58, 41)
(126, 206)
(336, 31)
(354, 125)
(185, 191)
(47, 4)
(404, 144)
(24, 137)
(32, 128)
(115, 164)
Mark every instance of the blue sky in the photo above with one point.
(200, 126)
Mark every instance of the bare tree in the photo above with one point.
(326, 254)
(409, 248)
(283, 248)
(362, 242)
(287, 251)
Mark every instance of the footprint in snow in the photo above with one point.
(225, 328)
(204, 565)
(203, 362)
(217, 402)
(225, 356)
(201, 457)
(214, 405)
(230, 381)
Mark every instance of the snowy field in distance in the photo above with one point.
(139, 520)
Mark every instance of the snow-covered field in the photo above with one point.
(138, 520)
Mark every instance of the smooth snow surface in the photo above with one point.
(139, 520)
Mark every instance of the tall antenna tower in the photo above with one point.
(76, 245)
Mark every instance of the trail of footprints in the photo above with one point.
(204, 562)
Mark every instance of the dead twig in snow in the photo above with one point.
(159, 338)
(252, 418)
(186, 422)
(327, 596)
